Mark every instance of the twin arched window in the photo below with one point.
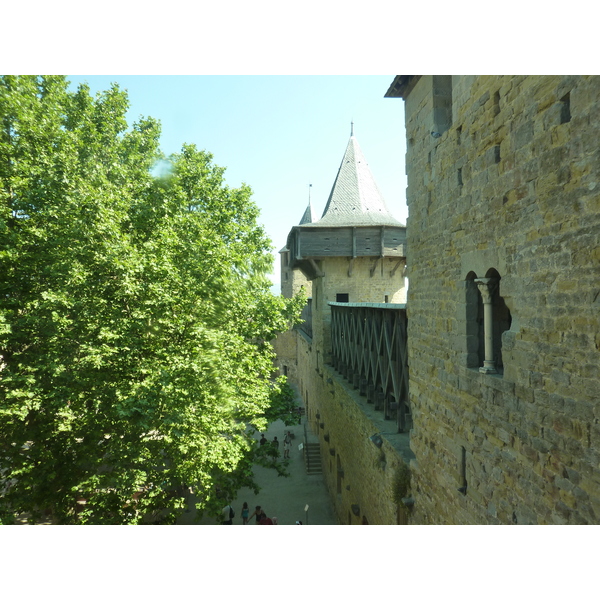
(487, 318)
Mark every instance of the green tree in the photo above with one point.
(135, 314)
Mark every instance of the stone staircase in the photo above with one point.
(312, 458)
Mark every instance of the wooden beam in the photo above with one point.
(398, 263)
(375, 261)
(297, 239)
(314, 265)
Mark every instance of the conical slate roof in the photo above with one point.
(355, 199)
(307, 217)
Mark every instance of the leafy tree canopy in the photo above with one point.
(135, 314)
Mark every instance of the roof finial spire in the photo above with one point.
(352, 128)
(308, 213)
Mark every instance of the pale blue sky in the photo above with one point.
(277, 133)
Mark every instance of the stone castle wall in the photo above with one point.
(359, 476)
(387, 282)
(292, 281)
(387, 279)
(511, 189)
(285, 345)
(357, 473)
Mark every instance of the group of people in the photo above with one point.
(259, 514)
(287, 443)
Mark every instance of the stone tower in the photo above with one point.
(354, 258)
(354, 252)
(293, 280)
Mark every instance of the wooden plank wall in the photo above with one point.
(369, 348)
(350, 241)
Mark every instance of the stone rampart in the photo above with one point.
(509, 192)
(361, 477)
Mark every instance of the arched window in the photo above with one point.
(501, 319)
(474, 322)
(487, 318)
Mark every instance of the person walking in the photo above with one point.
(287, 445)
(263, 439)
(275, 445)
(227, 515)
(245, 511)
(260, 514)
